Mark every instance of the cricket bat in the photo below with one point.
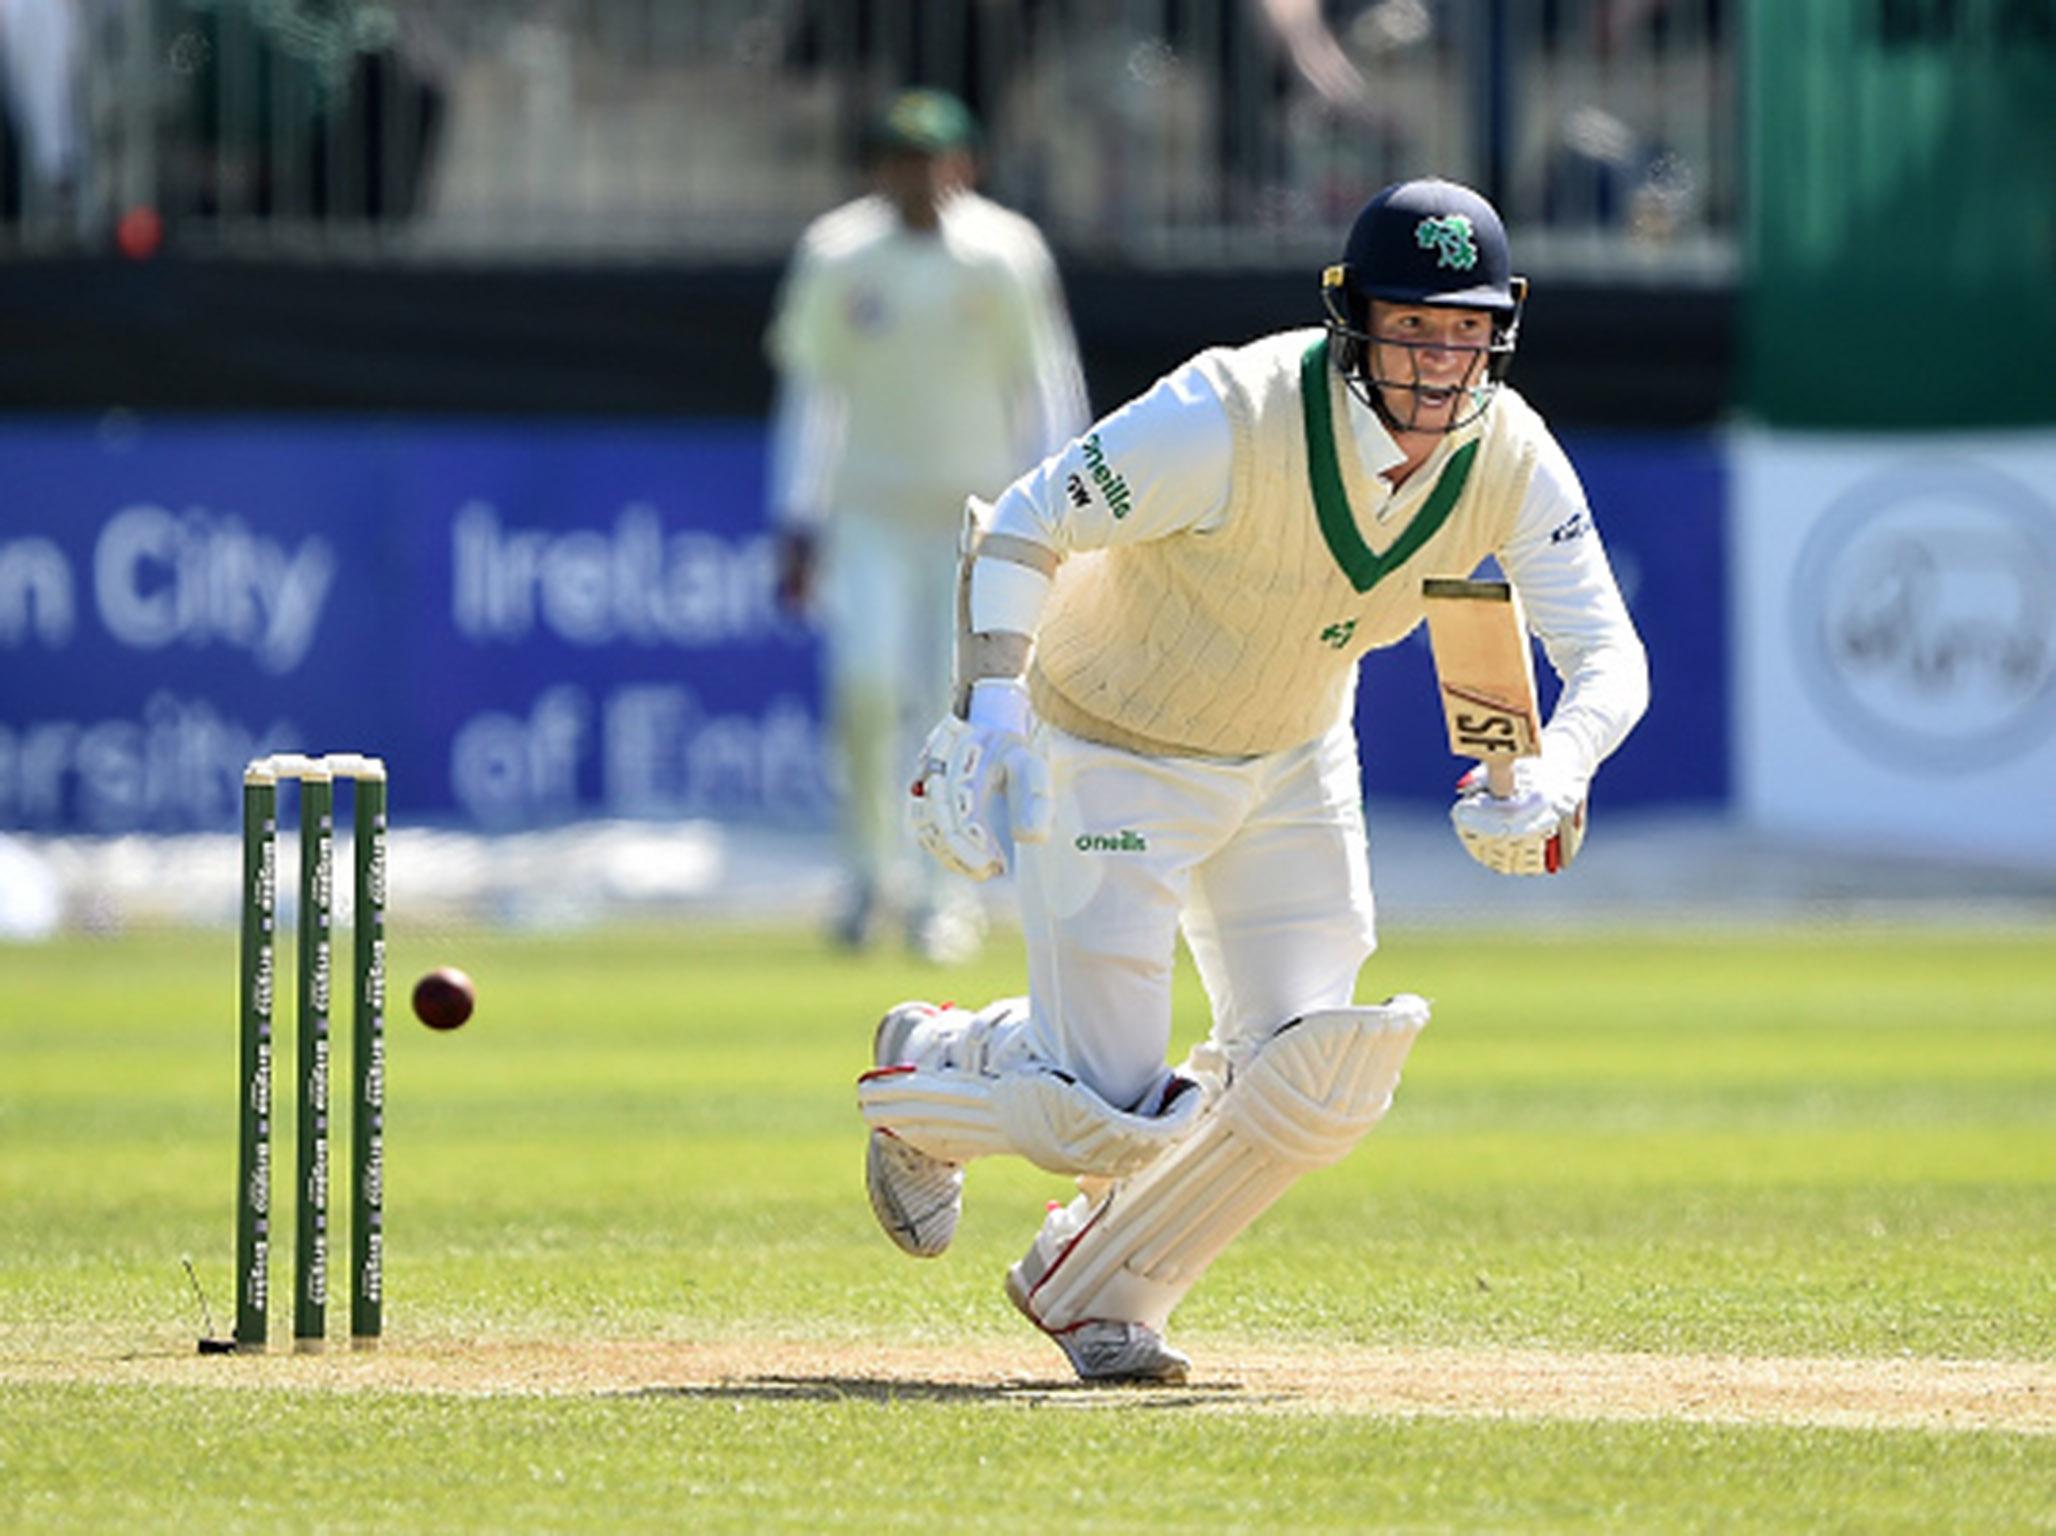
(1486, 672)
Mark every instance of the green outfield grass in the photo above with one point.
(1828, 1143)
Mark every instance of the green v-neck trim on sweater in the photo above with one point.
(1364, 566)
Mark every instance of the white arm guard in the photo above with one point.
(1003, 581)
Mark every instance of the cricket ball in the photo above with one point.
(444, 998)
(139, 233)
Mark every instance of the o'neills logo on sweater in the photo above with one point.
(1111, 485)
(1123, 841)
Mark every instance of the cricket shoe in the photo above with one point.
(1103, 1351)
(1111, 1354)
(916, 1198)
(1108, 1353)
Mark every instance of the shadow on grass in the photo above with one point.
(877, 1389)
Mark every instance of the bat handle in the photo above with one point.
(1499, 777)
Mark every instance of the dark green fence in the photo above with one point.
(1902, 227)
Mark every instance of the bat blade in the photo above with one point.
(1486, 673)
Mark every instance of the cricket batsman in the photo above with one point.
(1155, 677)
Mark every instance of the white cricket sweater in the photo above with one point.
(1219, 583)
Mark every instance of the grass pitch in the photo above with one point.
(1736, 1231)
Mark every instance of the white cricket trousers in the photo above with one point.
(890, 617)
(1261, 861)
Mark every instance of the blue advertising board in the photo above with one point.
(534, 622)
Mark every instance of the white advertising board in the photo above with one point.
(1895, 640)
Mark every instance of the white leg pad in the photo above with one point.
(977, 1093)
(1308, 1095)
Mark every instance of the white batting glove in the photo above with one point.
(967, 765)
(1538, 829)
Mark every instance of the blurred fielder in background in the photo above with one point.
(1155, 692)
(923, 351)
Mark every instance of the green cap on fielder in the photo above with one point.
(923, 122)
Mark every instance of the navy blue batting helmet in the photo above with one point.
(1430, 242)
(1423, 242)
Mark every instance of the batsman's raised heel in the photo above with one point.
(316, 777)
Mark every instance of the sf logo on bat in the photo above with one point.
(1487, 728)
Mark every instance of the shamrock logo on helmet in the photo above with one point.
(1449, 236)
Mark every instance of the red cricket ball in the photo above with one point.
(139, 233)
(444, 998)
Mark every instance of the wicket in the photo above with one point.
(316, 777)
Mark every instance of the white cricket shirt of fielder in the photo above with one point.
(917, 367)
